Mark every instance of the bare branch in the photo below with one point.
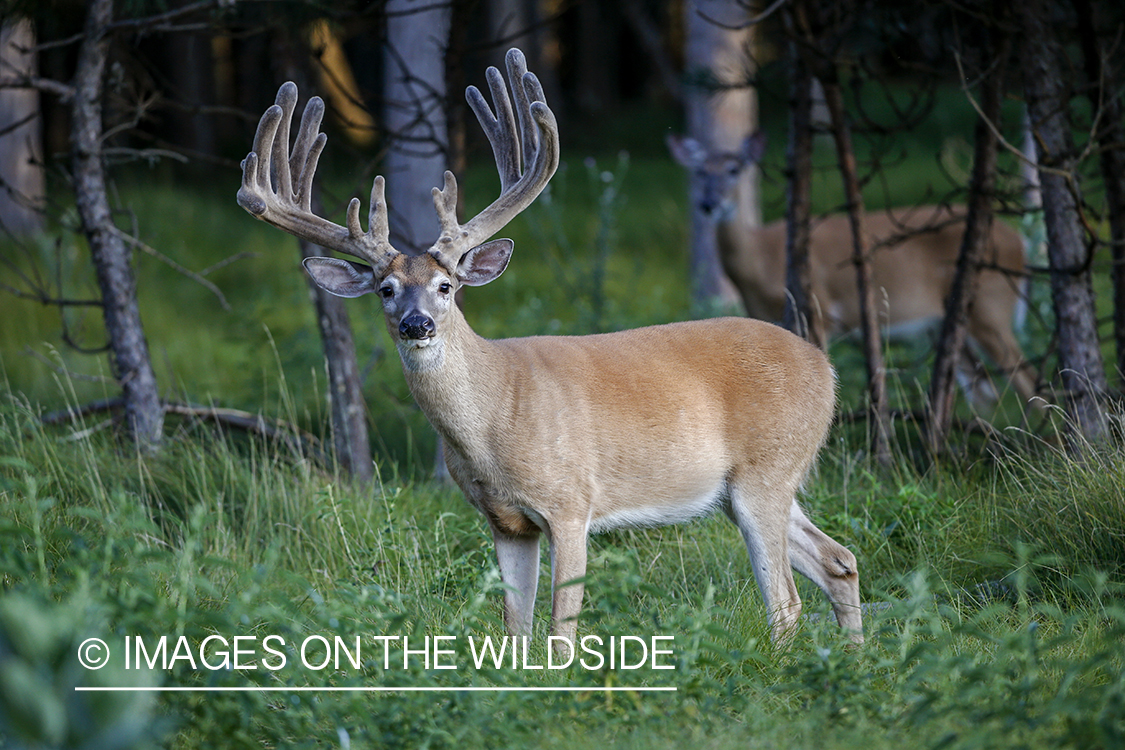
(209, 109)
(18, 124)
(46, 299)
(30, 278)
(152, 23)
(64, 92)
(56, 43)
(1016, 150)
(63, 371)
(764, 15)
(302, 443)
(124, 236)
(226, 262)
(649, 36)
(418, 9)
(147, 154)
(173, 151)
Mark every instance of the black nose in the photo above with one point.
(416, 326)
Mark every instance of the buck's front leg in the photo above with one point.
(568, 563)
(518, 557)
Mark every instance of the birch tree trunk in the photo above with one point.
(720, 120)
(22, 186)
(111, 256)
(1080, 363)
(415, 117)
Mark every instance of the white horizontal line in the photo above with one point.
(329, 689)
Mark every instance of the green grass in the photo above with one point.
(1004, 630)
(1001, 565)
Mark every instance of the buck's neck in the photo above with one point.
(457, 381)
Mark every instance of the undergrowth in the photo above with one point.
(997, 617)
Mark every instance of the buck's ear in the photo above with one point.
(484, 263)
(340, 277)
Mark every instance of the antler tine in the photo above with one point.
(288, 204)
(255, 171)
(445, 202)
(307, 150)
(378, 223)
(500, 128)
(279, 146)
(517, 73)
(518, 188)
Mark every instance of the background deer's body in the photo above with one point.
(565, 436)
(913, 260)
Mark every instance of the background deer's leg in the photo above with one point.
(829, 565)
(973, 379)
(518, 557)
(754, 508)
(568, 563)
(996, 339)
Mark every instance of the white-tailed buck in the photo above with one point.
(565, 436)
(913, 259)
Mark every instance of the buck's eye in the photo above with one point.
(386, 291)
(445, 287)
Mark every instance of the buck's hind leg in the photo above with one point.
(759, 512)
(829, 565)
(518, 557)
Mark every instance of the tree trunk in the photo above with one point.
(350, 438)
(189, 70)
(982, 186)
(649, 35)
(596, 58)
(1080, 363)
(345, 391)
(869, 311)
(414, 117)
(1103, 87)
(799, 315)
(720, 120)
(112, 257)
(22, 186)
(511, 23)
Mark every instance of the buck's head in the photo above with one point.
(717, 172)
(417, 290)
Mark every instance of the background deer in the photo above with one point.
(914, 256)
(565, 436)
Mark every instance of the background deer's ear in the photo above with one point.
(754, 147)
(340, 277)
(686, 151)
(484, 263)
